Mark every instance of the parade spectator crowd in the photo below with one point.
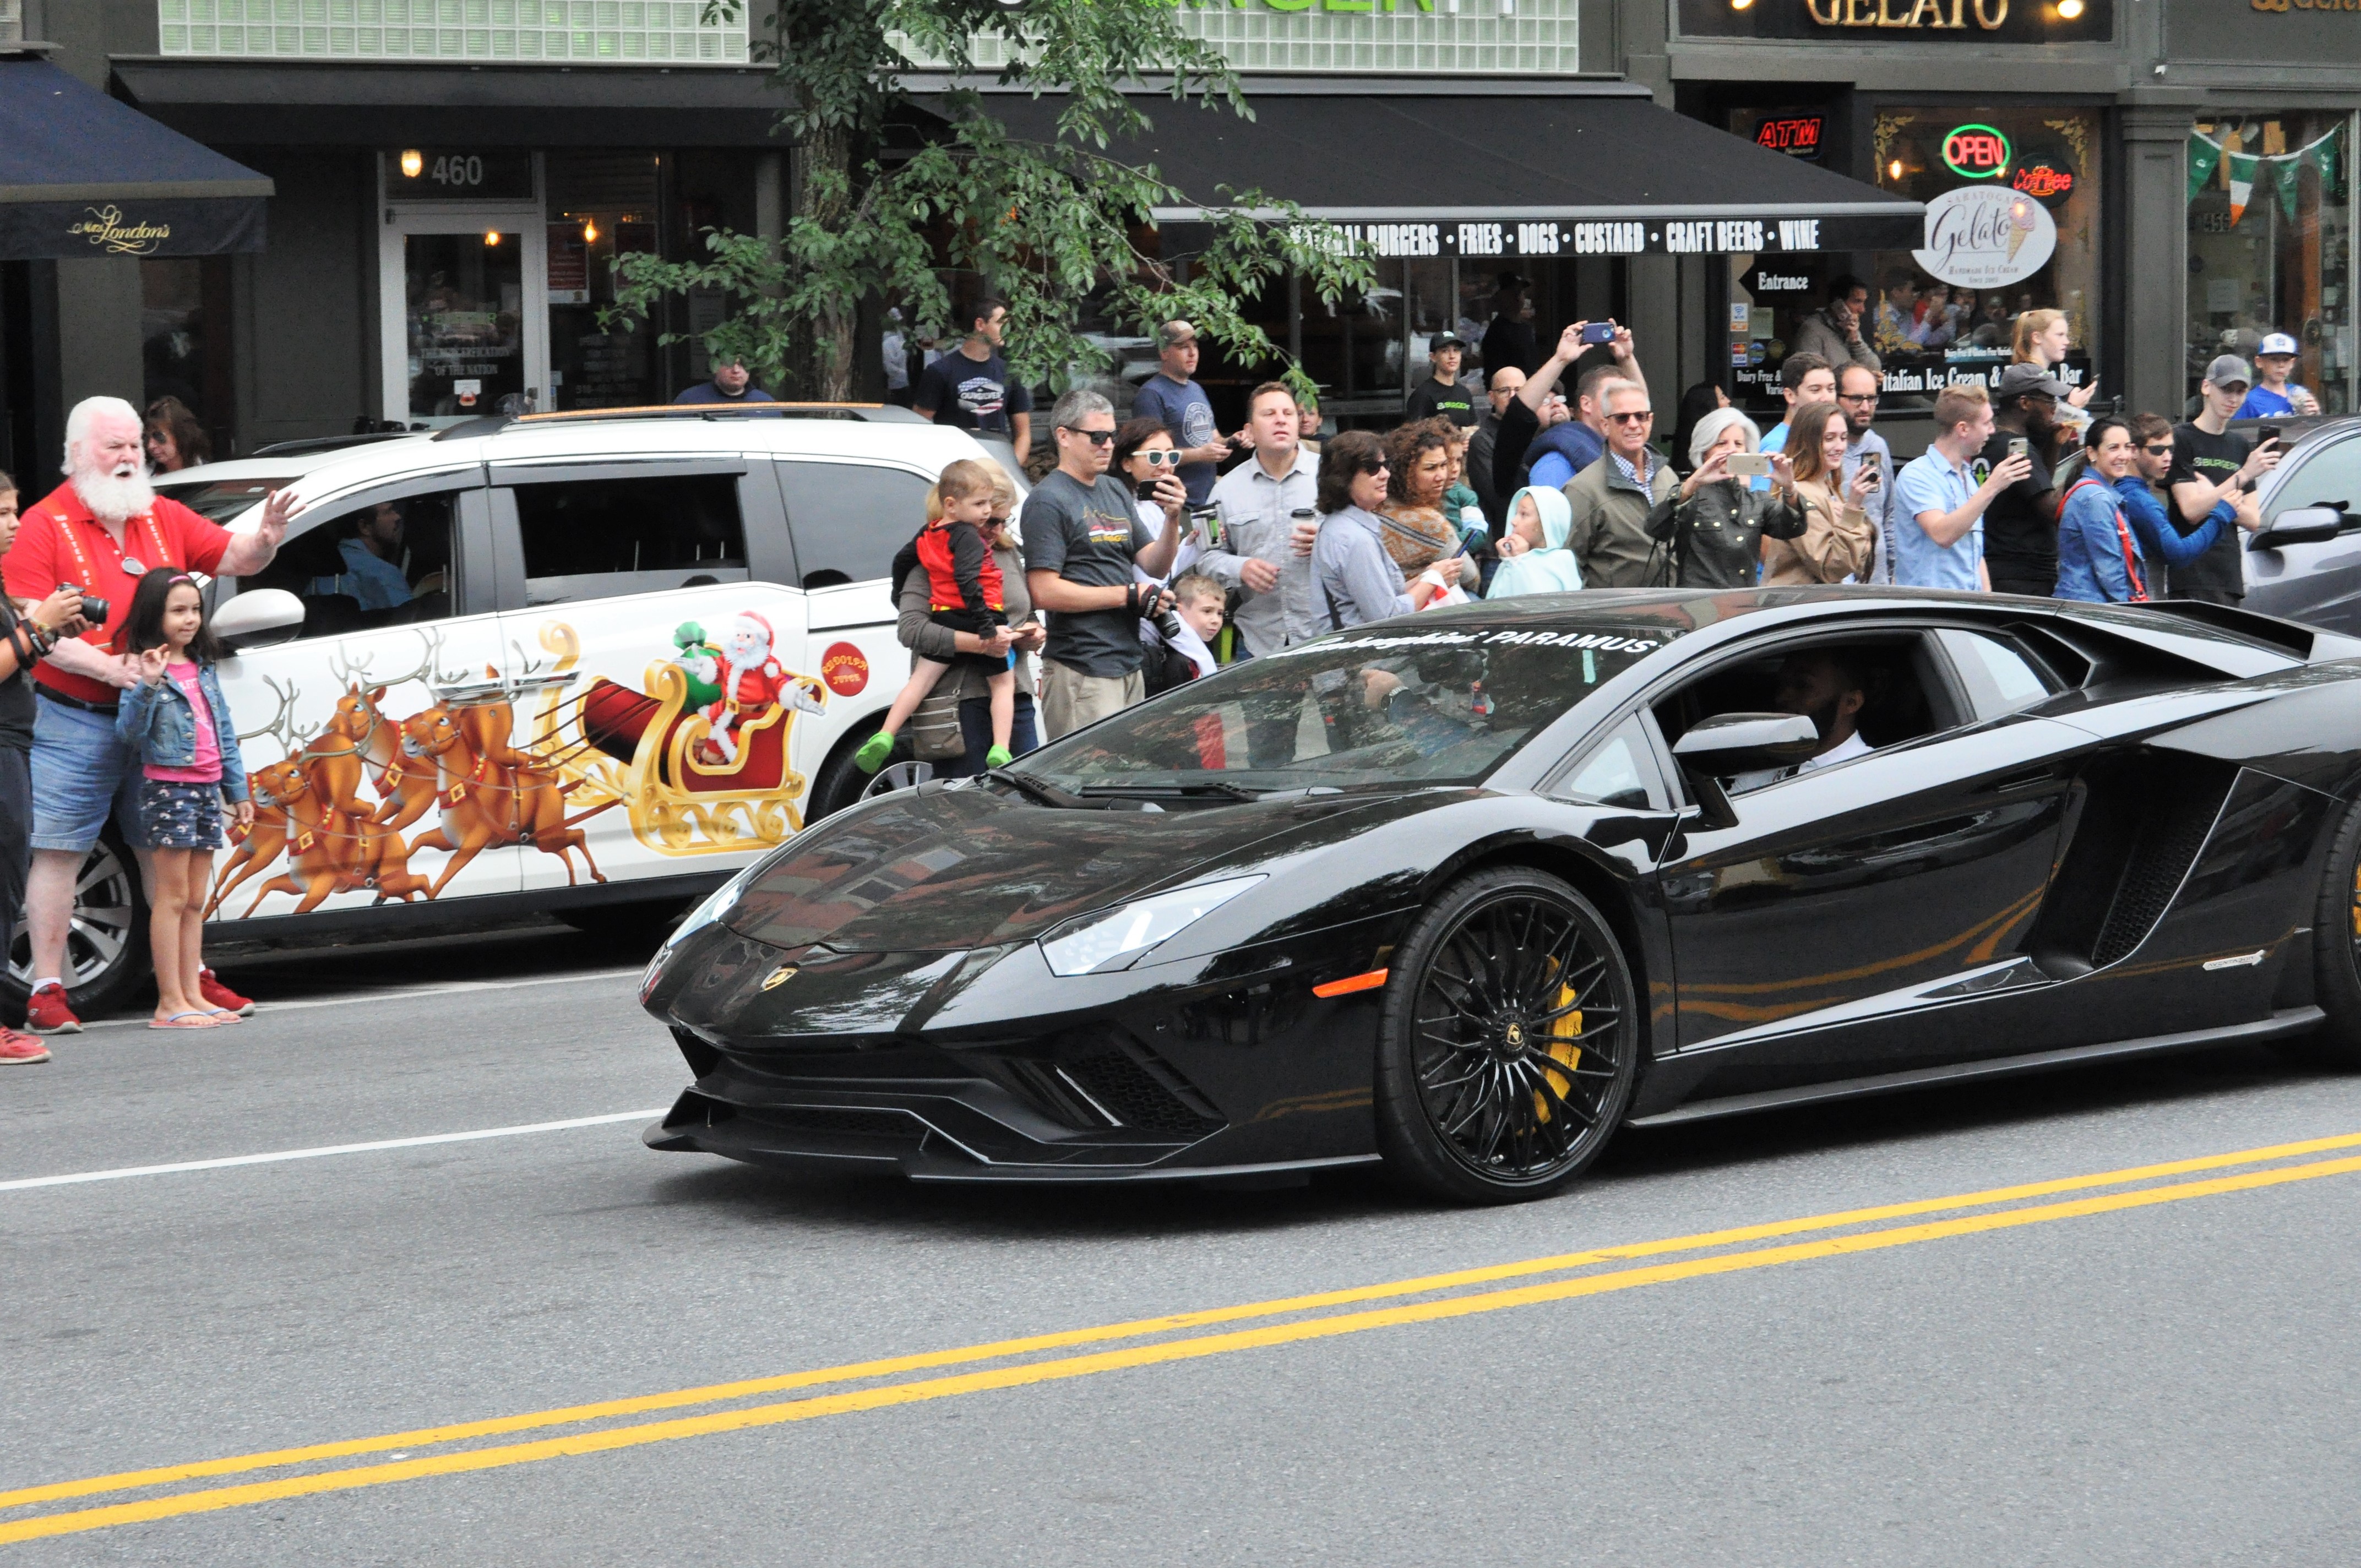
(1532, 474)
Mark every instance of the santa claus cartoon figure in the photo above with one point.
(750, 679)
(752, 683)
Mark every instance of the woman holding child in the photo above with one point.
(1021, 634)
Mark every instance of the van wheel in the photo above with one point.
(1508, 1046)
(106, 949)
(839, 783)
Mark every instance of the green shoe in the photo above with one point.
(874, 752)
(997, 757)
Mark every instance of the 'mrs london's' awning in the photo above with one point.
(83, 175)
(1500, 168)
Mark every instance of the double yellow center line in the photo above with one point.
(1290, 1320)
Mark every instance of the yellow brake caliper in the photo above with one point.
(1567, 1029)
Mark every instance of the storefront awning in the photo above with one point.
(1499, 170)
(282, 103)
(83, 175)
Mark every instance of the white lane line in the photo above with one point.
(270, 1009)
(121, 1171)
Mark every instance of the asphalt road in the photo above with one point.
(2155, 1369)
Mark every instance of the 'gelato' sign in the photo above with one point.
(1981, 236)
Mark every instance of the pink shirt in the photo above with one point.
(207, 767)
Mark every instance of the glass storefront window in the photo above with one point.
(466, 302)
(2270, 245)
(2012, 201)
(601, 206)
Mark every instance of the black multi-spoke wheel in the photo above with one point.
(1509, 1044)
(2337, 952)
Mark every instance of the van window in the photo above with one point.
(849, 518)
(590, 539)
(376, 562)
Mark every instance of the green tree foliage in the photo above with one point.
(1045, 223)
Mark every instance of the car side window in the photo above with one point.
(2331, 477)
(849, 518)
(376, 562)
(1620, 771)
(592, 539)
(1998, 678)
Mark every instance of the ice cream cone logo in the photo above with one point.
(2020, 224)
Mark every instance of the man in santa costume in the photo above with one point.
(102, 530)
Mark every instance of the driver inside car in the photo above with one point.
(1827, 686)
(1434, 716)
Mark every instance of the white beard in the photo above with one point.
(114, 498)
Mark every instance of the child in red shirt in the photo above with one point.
(964, 594)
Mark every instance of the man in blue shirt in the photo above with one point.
(1803, 378)
(1172, 398)
(1562, 451)
(2273, 395)
(731, 383)
(372, 575)
(1938, 507)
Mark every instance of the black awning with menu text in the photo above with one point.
(1500, 169)
(82, 175)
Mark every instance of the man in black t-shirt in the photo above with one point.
(2021, 523)
(2211, 465)
(969, 388)
(1441, 392)
(1509, 341)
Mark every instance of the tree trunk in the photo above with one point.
(827, 349)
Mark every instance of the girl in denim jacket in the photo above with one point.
(177, 720)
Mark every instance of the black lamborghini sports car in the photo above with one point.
(1465, 891)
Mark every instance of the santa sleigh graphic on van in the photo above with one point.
(697, 758)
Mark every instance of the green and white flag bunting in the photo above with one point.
(2240, 170)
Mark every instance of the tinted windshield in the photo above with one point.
(1443, 707)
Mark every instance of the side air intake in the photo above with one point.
(2142, 824)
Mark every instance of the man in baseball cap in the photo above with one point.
(2021, 381)
(2212, 464)
(2273, 395)
(2021, 521)
(1173, 397)
(1441, 392)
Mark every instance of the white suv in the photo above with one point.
(611, 660)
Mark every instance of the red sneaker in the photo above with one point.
(15, 1049)
(213, 993)
(45, 1011)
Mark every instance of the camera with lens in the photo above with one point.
(1167, 620)
(95, 611)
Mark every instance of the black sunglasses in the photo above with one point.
(1633, 418)
(1856, 396)
(1096, 437)
(2162, 451)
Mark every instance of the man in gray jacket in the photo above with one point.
(1833, 332)
(1258, 501)
(1613, 496)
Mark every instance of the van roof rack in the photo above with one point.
(882, 412)
(875, 413)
